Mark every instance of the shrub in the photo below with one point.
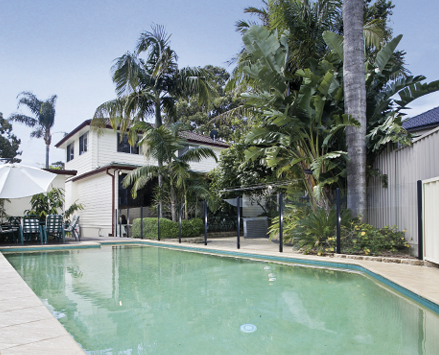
(363, 238)
(198, 225)
(168, 228)
(315, 232)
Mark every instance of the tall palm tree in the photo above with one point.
(150, 86)
(43, 117)
(355, 104)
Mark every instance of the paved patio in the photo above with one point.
(27, 326)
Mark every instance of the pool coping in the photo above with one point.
(50, 345)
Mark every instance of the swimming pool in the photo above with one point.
(140, 300)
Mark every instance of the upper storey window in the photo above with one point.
(70, 151)
(124, 147)
(83, 143)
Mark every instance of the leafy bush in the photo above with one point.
(51, 203)
(198, 225)
(168, 228)
(315, 232)
(362, 238)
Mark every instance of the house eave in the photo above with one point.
(114, 166)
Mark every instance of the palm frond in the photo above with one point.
(197, 154)
(28, 121)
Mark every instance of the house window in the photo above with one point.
(83, 143)
(70, 151)
(124, 147)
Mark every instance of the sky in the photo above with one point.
(67, 48)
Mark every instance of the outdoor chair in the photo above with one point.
(54, 227)
(72, 228)
(6, 230)
(14, 225)
(31, 226)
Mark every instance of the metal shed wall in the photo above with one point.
(397, 204)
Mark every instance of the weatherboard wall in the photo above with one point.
(94, 193)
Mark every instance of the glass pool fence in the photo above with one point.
(277, 218)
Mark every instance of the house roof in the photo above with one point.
(199, 138)
(62, 172)
(190, 136)
(427, 119)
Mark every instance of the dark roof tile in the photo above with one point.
(426, 119)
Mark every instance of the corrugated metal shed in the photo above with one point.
(397, 203)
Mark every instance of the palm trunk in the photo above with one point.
(355, 104)
(173, 205)
(158, 114)
(158, 123)
(47, 140)
(47, 155)
(185, 207)
(160, 164)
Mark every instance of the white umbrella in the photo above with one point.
(18, 181)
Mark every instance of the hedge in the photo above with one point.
(168, 229)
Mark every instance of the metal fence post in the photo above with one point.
(205, 222)
(158, 237)
(281, 224)
(115, 223)
(179, 222)
(128, 223)
(120, 224)
(338, 220)
(238, 207)
(141, 222)
(420, 231)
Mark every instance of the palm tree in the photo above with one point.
(162, 144)
(303, 22)
(43, 120)
(355, 104)
(150, 86)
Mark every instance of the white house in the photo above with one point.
(101, 161)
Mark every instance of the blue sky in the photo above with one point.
(67, 48)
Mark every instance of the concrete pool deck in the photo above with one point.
(28, 327)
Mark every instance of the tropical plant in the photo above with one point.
(315, 232)
(51, 202)
(306, 21)
(203, 121)
(162, 144)
(310, 230)
(234, 171)
(387, 94)
(43, 117)
(299, 134)
(151, 86)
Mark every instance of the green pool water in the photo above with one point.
(142, 300)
